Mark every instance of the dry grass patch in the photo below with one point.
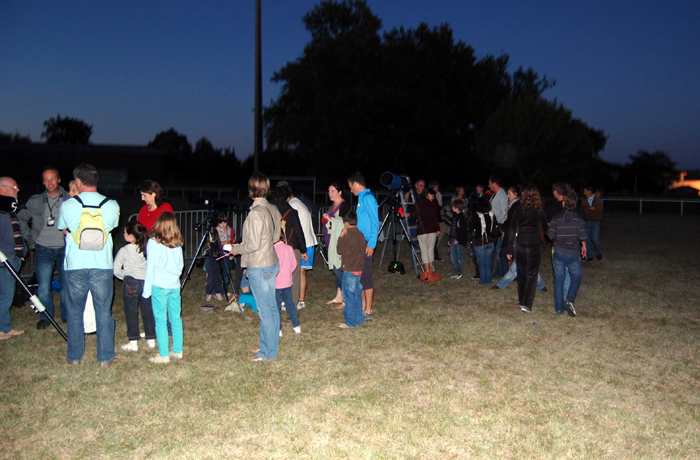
(447, 370)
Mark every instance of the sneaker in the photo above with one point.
(133, 345)
(476, 277)
(158, 359)
(233, 306)
(544, 289)
(143, 335)
(284, 308)
(368, 317)
(525, 309)
(219, 297)
(301, 305)
(151, 343)
(557, 313)
(280, 333)
(297, 330)
(570, 308)
(456, 277)
(207, 298)
(439, 259)
(42, 324)
(599, 257)
(494, 287)
(176, 355)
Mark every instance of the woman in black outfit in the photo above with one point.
(527, 227)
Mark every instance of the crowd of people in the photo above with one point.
(504, 231)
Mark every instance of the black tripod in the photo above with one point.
(392, 216)
(215, 252)
(37, 306)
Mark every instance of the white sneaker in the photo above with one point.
(284, 308)
(176, 355)
(207, 298)
(233, 306)
(280, 333)
(301, 305)
(133, 345)
(158, 359)
(297, 330)
(151, 343)
(143, 335)
(219, 297)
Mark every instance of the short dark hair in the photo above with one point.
(350, 217)
(51, 168)
(430, 191)
(87, 174)
(458, 203)
(357, 177)
(495, 180)
(285, 190)
(590, 188)
(483, 204)
(560, 188)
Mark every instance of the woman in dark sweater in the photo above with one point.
(527, 228)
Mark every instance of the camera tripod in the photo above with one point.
(215, 254)
(391, 217)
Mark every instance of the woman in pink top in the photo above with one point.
(283, 283)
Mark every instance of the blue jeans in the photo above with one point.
(352, 296)
(46, 259)
(563, 263)
(501, 260)
(593, 241)
(99, 282)
(7, 293)
(457, 254)
(512, 274)
(338, 278)
(167, 306)
(285, 295)
(262, 284)
(484, 256)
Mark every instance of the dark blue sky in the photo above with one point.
(135, 68)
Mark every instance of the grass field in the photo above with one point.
(446, 370)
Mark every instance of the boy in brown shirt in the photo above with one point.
(351, 247)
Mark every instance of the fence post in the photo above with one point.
(681, 208)
(640, 206)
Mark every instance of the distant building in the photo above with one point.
(688, 180)
(116, 164)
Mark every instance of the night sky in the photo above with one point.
(134, 68)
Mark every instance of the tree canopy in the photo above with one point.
(412, 101)
(66, 131)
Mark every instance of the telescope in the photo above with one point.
(394, 181)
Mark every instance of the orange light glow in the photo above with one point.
(685, 183)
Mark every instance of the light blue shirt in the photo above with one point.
(163, 267)
(368, 217)
(499, 205)
(69, 218)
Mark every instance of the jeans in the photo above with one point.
(528, 259)
(352, 296)
(500, 259)
(457, 255)
(285, 295)
(133, 302)
(262, 283)
(563, 263)
(7, 293)
(338, 278)
(99, 282)
(167, 306)
(484, 256)
(46, 259)
(512, 274)
(593, 241)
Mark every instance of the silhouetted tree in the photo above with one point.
(66, 131)
(15, 138)
(531, 140)
(648, 172)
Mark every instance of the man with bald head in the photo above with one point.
(12, 246)
(38, 222)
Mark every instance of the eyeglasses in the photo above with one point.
(13, 187)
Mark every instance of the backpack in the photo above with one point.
(495, 231)
(91, 234)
